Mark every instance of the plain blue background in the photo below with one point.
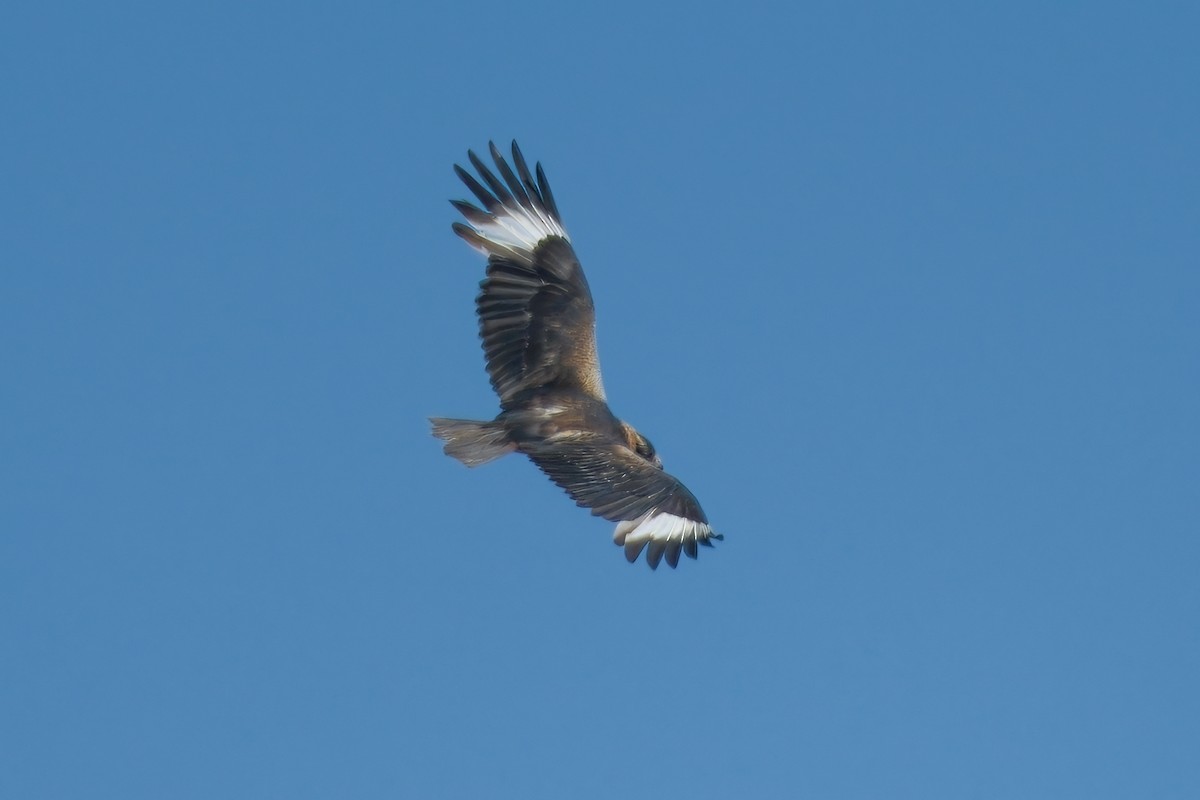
(907, 294)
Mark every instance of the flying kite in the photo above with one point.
(538, 328)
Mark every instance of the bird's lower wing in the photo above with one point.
(653, 509)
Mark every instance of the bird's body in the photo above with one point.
(537, 324)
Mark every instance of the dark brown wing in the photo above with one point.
(650, 506)
(538, 324)
(536, 317)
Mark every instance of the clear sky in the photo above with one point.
(907, 294)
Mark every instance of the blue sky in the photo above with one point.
(907, 294)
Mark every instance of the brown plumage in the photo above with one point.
(538, 329)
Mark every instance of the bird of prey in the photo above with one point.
(538, 328)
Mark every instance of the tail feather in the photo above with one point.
(471, 442)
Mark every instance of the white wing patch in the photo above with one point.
(514, 230)
(664, 534)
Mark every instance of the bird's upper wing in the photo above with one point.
(536, 317)
(650, 506)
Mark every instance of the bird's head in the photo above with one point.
(640, 445)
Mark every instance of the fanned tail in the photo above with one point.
(471, 442)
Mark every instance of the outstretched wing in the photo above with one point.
(651, 507)
(536, 317)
